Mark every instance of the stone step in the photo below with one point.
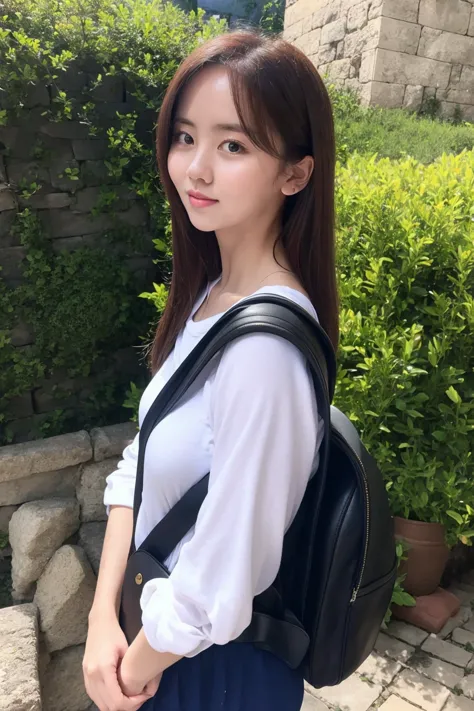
(311, 703)
(20, 687)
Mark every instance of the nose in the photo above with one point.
(200, 167)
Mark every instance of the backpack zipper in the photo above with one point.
(367, 510)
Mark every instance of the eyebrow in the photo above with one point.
(236, 127)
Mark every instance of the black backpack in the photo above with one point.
(338, 569)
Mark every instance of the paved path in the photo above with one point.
(410, 669)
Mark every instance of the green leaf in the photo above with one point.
(455, 516)
(400, 597)
(160, 245)
(453, 395)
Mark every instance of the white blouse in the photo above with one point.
(250, 419)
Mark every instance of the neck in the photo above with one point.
(246, 260)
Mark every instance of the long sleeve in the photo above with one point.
(120, 484)
(265, 424)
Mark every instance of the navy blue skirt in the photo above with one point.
(231, 677)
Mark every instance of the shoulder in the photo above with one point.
(260, 350)
(266, 352)
(261, 377)
(297, 295)
(260, 365)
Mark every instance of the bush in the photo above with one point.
(43, 42)
(394, 133)
(81, 306)
(406, 367)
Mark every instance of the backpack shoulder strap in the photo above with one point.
(266, 313)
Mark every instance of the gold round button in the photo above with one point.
(139, 579)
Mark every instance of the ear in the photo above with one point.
(298, 175)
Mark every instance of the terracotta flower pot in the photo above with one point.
(426, 557)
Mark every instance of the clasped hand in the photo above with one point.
(110, 680)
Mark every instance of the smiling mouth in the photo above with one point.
(201, 201)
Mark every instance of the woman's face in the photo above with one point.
(210, 155)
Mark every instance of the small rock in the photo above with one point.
(47, 485)
(20, 460)
(64, 596)
(19, 681)
(44, 657)
(37, 530)
(111, 441)
(6, 513)
(91, 538)
(63, 684)
(90, 491)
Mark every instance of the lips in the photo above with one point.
(197, 199)
(200, 196)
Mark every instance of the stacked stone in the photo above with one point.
(395, 53)
(51, 498)
(65, 207)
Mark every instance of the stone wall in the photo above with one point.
(33, 148)
(51, 504)
(395, 53)
(234, 11)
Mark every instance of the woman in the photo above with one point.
(245, 149)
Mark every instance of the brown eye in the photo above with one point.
(182, 137)
(235, 147)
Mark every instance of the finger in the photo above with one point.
(94, 695)
(133, 703)
(152, 686)
(111, 690)
(101, 702)
(112, 700)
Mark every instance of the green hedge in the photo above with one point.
(406, 367)
(43, 42)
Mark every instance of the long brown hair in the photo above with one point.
(276, 91)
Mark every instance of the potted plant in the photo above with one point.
(430, 495)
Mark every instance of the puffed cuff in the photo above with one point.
(170, 624)
(118, 495)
